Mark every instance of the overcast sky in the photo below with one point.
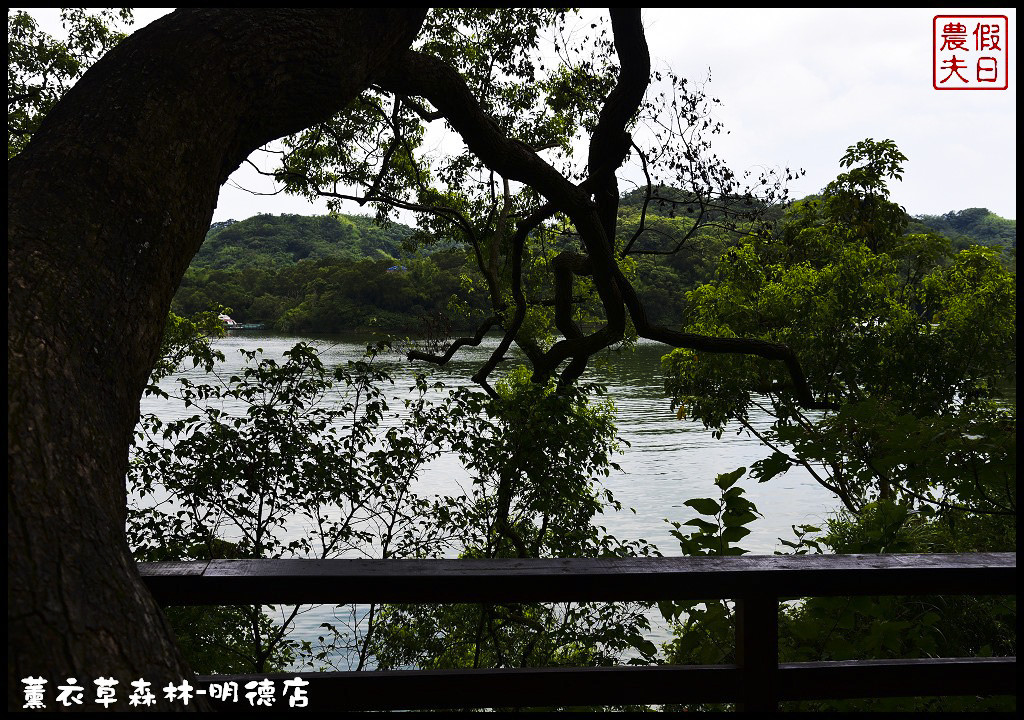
(800, 86)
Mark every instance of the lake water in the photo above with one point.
(668, 461)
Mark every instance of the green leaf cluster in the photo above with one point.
(909, 342)
(704, 631)
(41, 68)
(912, 344)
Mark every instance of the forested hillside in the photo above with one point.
(329, 274)
(663, 279)
(271, 241)
(319, 274)
(973, 226)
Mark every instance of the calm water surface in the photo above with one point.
(668, 461)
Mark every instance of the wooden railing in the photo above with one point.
(757, 584)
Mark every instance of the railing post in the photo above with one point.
(756, 681)
(757, 651)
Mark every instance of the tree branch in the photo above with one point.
(416, 74)
(456, 344)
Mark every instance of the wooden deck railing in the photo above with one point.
(756, 682)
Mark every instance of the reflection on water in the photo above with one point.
(668, 461)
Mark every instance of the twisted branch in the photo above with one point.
(419, 75)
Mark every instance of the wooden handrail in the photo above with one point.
(296, 581)
(756, 583)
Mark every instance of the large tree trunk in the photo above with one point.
(107, 206)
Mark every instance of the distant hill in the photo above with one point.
(973, 226)
(978, 226)
(271, 241)
(662, 280)
(296, 273)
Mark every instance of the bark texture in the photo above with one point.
(107, 206)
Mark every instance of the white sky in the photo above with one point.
(800, 86)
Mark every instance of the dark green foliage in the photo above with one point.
(326, 274)
(909, 342)
(186, 338)
(334, 273)
(535, 458)
(683, 243)
(662, 281)
(847, 628)
(704, 632)
(974, 226)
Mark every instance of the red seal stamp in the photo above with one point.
(970, 52)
